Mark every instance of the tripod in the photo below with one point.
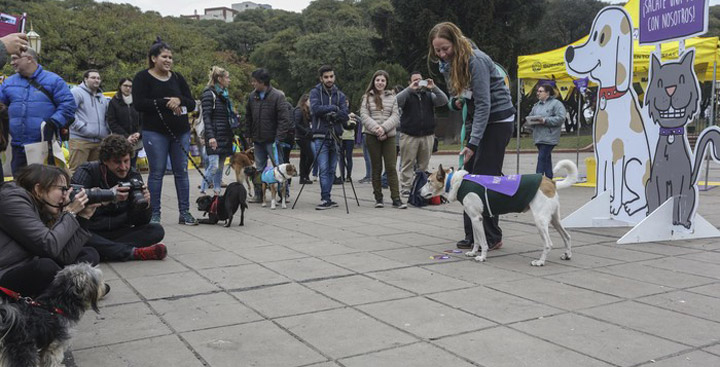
(330, 134)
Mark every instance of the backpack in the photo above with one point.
(415, 199)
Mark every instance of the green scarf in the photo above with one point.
(224, 93)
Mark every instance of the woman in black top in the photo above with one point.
(123, 119)
(163, 98)
(303, 136)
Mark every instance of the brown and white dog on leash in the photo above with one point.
(243, 165)
(277, 178)
(544, 204)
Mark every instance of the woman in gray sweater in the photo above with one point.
(546, 120)
(41, 230)
(475, 84)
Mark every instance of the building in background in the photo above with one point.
(226, 14)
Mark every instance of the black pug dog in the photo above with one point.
(235, 197)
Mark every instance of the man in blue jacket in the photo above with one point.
(329, 111)
(33, 95)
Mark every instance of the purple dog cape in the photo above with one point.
(506, 185)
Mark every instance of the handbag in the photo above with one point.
(46, 152)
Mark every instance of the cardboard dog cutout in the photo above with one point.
(620, 141)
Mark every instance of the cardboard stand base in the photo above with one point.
(655, 227)
(594, 214)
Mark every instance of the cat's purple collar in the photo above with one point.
(666, 131)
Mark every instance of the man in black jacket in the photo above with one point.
(417, 125)
(267, 122)
(121, 230)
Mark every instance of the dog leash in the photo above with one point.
(15, 296)
(192, 161)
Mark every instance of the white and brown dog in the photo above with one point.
(276, 178)
(544, 204)
(622, 148)
(242, 163)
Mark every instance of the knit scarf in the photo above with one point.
(224, 93)
(444, 66)
(127, 99)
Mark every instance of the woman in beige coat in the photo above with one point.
(380, 118)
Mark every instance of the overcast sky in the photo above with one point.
(187, 7)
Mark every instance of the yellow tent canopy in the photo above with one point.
(551, 64)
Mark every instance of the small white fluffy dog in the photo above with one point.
(545, 207)
(277, 180)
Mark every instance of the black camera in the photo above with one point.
(94, 195)
(136, 197)
(332, 117)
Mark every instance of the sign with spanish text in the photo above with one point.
(672, 20)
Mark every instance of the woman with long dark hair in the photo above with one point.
(303, 137)
(163, 98)
(380, 117)
(123, 119)
(475, 83)
(42, 229)
(548, 116)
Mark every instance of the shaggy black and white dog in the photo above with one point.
(37, 332)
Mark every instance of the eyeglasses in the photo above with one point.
(126, 86)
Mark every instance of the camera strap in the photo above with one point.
(192, 161)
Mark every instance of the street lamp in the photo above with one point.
(34, 40)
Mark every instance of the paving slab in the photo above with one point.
(555, 294)
(172, 285)
(649, 274)
(307, 268)
(419, 280)
(212, 259)
(688, 303)
(256, 344)
(659, 322)
(140, 353)
(117, 324)
(432, 357)
(608, 284)
(352, 333)
(601, 340)
(692, 359)
(266, 300)
(243, 276)
(358, 289)
(363, 262)
(504, 347)
(425, 318)
(494, 305)
(203, 312)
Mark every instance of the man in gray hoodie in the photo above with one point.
(89, 128)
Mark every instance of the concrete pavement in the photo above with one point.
(323, 288)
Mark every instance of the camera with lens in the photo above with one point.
(136, 197)
(334, 119)
(94, 195)
(423, 83)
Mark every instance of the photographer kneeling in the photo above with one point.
(41, 229)
(121, 228)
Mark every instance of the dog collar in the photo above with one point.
(665, 131)
(15, 296)
(610, 93)
(448, 180)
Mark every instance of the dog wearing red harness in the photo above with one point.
(37, 332)
(224, 207)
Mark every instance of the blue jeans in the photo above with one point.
(326, 155)
(214, 172)
(366, 155)
(157, 147)
(346, 164)
(544, 163)
(263, 151)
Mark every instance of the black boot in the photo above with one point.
(466, 243)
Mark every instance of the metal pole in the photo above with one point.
(517, 150)
(577, 128)
(711, 121)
